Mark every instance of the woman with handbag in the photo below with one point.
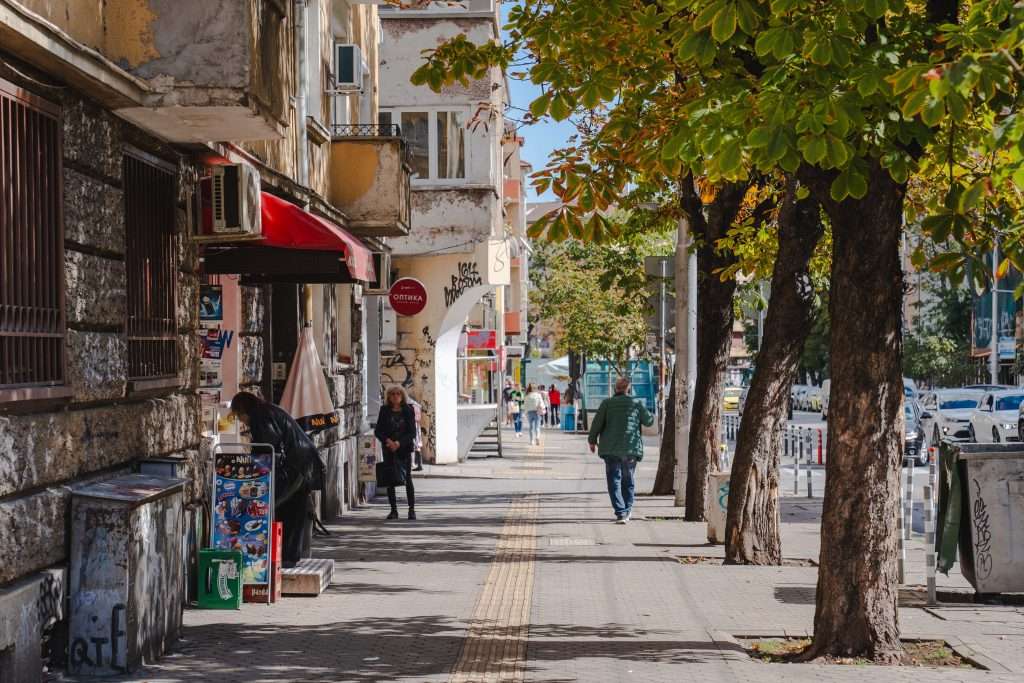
(396, 431)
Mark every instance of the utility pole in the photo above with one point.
(685, 276)
(993, 360)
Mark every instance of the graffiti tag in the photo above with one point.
(467, 275)
(95, 656)
(982, 534)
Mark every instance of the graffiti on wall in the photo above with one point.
(467, 275)
(100, 651)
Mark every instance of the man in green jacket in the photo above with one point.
(617, 428)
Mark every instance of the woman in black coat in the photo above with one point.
(298, 470)
(396, 430)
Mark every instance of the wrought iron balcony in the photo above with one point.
(368, 130)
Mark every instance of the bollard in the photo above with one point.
(810, 471)
(901, 560)
(929, 527)
(796, 472)
(908, 501)
(820, 441)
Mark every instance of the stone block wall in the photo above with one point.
(48, 449)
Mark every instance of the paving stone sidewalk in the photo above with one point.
(515, 572)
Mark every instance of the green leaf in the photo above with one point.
(914, 103)
(836, 154)
(933, 112)
(759, 137)
(674, 146)
(938, 226)
(972, 196)
(724, 25)
(560, 108)
(730, 157)
(539, 106)
(747, 17)
(875, 8)
(815, 149)
(946, 261)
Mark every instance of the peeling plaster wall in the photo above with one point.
(455, 219)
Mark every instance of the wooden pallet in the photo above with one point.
(308, 577)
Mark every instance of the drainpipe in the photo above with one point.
(302, 86)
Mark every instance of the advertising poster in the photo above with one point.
(243, 512)
(211, 305)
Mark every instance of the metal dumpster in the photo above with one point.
(981, 512)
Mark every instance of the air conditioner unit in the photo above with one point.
(227, 205)
(382, 273)
(349, 67)
(388, 328)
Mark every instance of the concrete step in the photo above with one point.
(308, 577)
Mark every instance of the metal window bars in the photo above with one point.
(32, 320)
(151, 264)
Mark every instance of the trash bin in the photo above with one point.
(981, 514)
(568, 418)
(718, 506)
(126, 574)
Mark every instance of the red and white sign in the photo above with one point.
(481, 339)
(407, 296)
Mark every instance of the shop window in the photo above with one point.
(32, 355)
(436, 141)
(151, 264)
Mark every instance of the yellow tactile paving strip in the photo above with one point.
(495, 646)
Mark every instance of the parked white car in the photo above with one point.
(946, 414)
(995, 420)
(826, 389)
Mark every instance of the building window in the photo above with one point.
(151, 265)
(31, 245)
(437, 143)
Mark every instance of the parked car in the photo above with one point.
(826, 389)
(909, 388)
(996, 419)
(798, 394)
(731, 398)
(812, 399)
(743, 403)
(988, 387)
(914, 448)
(947, 414)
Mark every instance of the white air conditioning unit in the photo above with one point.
(382, 274)
(349, 67)
(227, 205)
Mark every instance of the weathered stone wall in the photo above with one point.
(103, 428)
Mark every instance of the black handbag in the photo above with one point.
(390, 473)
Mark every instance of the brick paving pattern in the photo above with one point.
(515, 572)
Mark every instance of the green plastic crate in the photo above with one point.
(220, 579)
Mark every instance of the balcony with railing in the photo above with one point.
(369, 178)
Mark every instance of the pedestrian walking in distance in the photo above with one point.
(546, 406)
(506, 397)
(396, 431)
(515, 407)
(555, 400)
(534, 406)
(615, 435)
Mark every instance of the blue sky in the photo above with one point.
(542, 137)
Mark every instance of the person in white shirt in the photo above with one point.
(533, 404)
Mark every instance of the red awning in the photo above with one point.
(287, 226)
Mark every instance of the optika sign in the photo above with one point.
(407, 296)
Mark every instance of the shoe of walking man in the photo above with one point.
(615, 436)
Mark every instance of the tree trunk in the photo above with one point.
(664, 480)
(752, 525)
(855, 614)
(714, 338)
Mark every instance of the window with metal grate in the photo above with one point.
(32, 353)
(151, 262)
